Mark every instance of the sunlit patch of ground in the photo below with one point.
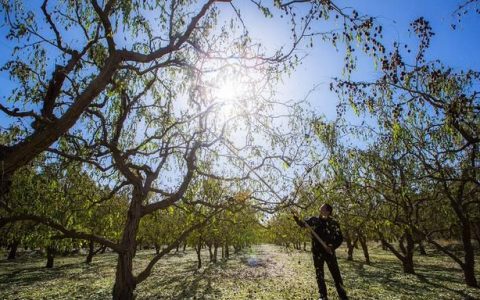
(262, 272)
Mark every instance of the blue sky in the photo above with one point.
(456, 48)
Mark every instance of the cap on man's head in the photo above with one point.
(328, 207)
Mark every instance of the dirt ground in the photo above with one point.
(261, 272)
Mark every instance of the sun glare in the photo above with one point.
(233, 88)
(228, 91)
(229, 94)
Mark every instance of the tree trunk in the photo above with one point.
(12, 254)
(363, 243)
(408, 253)
(350, 249)
(421, 248)
(215, 253)
(124, 280)
(91, 250)
(210, 253)
(198, 249)
(384, 247)
(469, 265)
(227, 251)
(408, 267)
(184, 247)
(406, 257)
(50, 257)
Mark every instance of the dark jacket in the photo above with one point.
(327, 229)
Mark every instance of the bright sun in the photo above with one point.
(234, 90)
(230, 93)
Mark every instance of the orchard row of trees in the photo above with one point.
(69, 196)
(124, 92)
(114, 128)
(410, 174)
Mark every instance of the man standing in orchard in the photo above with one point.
(326, 237)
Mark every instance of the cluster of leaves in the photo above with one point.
(59, 195)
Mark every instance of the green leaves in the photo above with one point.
(396, 131)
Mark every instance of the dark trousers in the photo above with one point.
(318, 260)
